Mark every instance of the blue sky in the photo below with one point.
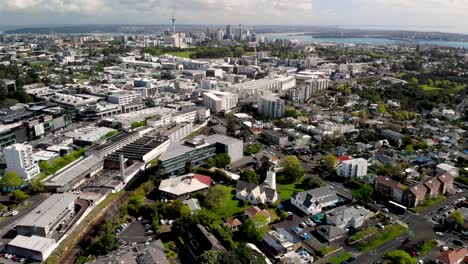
(447, 14)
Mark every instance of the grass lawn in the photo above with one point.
(429, 203)
(249, 53)
(362, 234)
(182, 54)
(286, 190)
(426, 87)
(386, 235)
(327, 250)
(232, 206)
(431, 90)
(274, 216)
(427, 246)
(170, 254)
(340, 258)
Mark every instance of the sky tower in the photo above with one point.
(173, 25)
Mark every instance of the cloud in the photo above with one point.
(85, 7)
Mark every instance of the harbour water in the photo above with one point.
(362, 40)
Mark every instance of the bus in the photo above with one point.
(397, 208)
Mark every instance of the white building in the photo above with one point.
(20, 160)
(251, 88)
(220, 101)
(124, 98)
(352, 168)
(312, 201)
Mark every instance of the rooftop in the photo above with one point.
(34, 243)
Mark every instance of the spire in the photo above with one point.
(271, 178)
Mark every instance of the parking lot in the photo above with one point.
(134, 233)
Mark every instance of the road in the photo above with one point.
(7, 224)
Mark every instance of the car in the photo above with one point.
(14, 213)
(139, 218)
(309, 222)
(303, 224)
(446, 207)
(454, 202)
(445, 248)
(296, 230)
(385, 210)
(457, 242)
(305, 236)
(351, 259)
(440, 234)
(290, 216)
(420, 261)
(380, 225)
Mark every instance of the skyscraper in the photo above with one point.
(228, 34)
(240, 32)
(173, 25)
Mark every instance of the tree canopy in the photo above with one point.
(217, 196)
(255, 228)
(399, 257)
(363, 193)
(292, 168)
(250, 176)
(11, 180)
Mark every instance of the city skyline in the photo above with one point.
(398, 14)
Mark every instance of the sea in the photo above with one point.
(363, 40)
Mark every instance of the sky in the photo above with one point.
(442, 15)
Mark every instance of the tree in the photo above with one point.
(11, 181)
(313, 182)
(253, 149)
(248, 255)
(37, 185)
(3, 208)
(20, 196)
(292, 168)
(290, 112)
(250, 176)
(188, 166)
(209, 257)
(231, 123)
(399, 257)
(217, 196)
(330, 162)
(238, 52)
(457, 216)
(255, 228)
(364, 193)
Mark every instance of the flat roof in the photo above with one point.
(78, 169)
(34, 243)
(48, 210)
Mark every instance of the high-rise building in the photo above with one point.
(220, 101)
(271, 106)
(352, 168)
(219, 35)
(19, 159)
(240, 32)
(228, 32)
(173, 25)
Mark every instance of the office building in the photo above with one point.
(197, 151)
(124, 98)
(20, 160)
(352, 168)
(255, 87)
(228, 33)
(46, 218)
(220, 101)
(275, 137)
(271, 106)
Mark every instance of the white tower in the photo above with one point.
(173, 25)
(271, 178)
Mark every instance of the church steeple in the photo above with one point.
(271, 178)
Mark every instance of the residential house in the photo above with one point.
(348, 217)
(258, 194)
(313, 201)
(182, 186)
(415, 195)
(457, 256)
(389, 189)
(233, 224)
(447, 168)
(433, 187)
(254, 210)
(330, 233)
(446, 181)
(279, 242)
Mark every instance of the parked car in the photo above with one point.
(296, 230)
(14, 213)
(290, 216)
(379, 225)
(305, 236)
(351, 259)
(309, 222)
(303, 224)
(385, 210)
(440, 234)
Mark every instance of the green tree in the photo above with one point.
(399, 257)
(231, 123)
(238, 52)
(37, 185)
(11, 180)
(3, 208)
(255, 228)
(250, 176)
(330, 162)
(217, 196)
(457, 216)
(313, 182)
(209, 257)
(364, 193)
(253, 149)
(20, 196)
(248, 255)
(188, 166)
(292, 168)
(290, 112)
